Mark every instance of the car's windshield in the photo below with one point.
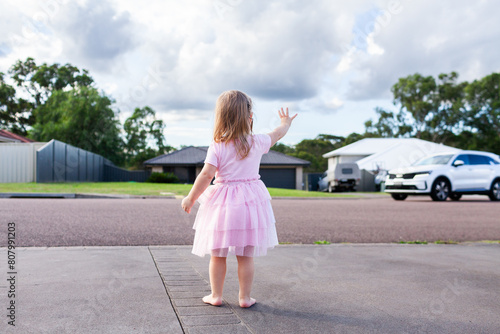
(434, 160)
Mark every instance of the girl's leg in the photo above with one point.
(245, 276)
(217, 271)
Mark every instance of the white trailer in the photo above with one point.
(344, 177)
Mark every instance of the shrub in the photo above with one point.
(163, 178)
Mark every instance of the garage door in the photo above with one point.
(278, 178)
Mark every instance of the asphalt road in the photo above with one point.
(111, 222)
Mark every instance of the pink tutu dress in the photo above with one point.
(235, 214)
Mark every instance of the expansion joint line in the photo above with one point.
(168, 294)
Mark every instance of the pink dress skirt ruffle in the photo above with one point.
(235, 217)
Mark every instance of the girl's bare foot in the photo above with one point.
(247, 302)
(212, 300)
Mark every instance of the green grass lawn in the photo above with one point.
(138, 188)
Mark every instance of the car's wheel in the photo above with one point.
(455, 196)
(440, 190)
(399, 197)
(495, 190)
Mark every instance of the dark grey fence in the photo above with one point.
(367, 182)
(117, 174)
(61, 162)
(312, 181)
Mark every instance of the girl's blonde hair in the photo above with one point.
(232, 112)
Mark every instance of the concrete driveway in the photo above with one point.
(342, 288)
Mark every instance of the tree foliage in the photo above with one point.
(81, 117)
(35, 83)
(442, 110)
(140, 129)
(312, 150)
(62, 102)
(14, 111)
(482, 115)
(461, 114)
(39, 81)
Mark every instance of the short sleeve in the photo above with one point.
(265, 142)
(211, 156)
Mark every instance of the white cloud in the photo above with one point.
(430, 38)
(371, 47)
(317, 56)
(335, 103)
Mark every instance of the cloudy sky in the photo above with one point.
(332, 62)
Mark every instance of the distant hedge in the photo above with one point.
(163, 178)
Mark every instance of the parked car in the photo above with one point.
(345, 176)
(448, 175)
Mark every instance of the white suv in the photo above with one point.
(448, 175)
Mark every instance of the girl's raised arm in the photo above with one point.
(282, 129)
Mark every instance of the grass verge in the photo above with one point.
(486, 241)
(140, 188)
(419, 242)
(121, 188)
(449, 242)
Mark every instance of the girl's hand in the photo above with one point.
(187, 204)
(285, 118)
(200, 184)
(282, 129)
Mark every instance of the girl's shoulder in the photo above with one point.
(262, 141)
(262, 138)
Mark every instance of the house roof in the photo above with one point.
(195, 155)
(191, 155)
(367, 146)
(389, 153)
(403, 154)
(7, 136)
(278, 158)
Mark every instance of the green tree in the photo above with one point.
(280, 147)
(416, 96)
(428, 109)
(81, 117)
(313, 150)
(387, 125)
(460, 114)
(39, 81)
(64, 104)
(317, 163)
(336, 141)
(447, 118)
(354, 137)
(483, 113)
(143, 131)
(14, 112)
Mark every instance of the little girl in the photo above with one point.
(235, 214)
